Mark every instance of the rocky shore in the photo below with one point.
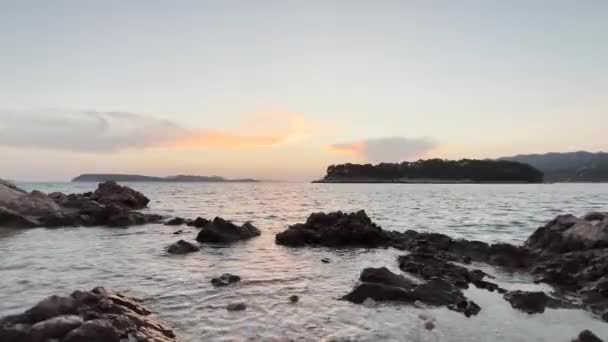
(569, 253)
(109, 205)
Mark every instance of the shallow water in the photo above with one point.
(38, 262)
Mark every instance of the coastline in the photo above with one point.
(416, 181)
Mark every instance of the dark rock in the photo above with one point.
(182, 247)
(383, 275)
(98, 315)
(55, 327)
(530, 302)
(220, 230)
(567, 233)
(12, 219)
(178, 232)
(97, 330)
(294, 299)
(225, 280)
(336, 229)
(325, 260)
(199, 222)
(587, 336)
(176, 221)
(236, 307)
(380, 284)
(428, 266)
(378, 292)
(109, 192)
(429, 325)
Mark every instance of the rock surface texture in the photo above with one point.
(222, 231)
(110, 205)
(99, 315)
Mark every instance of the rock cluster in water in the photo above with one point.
(569, 253)
(99, 315)
(110, 205)
(220, 230)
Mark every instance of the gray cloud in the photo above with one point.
(84, 131)
(388, 149)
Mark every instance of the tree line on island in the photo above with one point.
(435, 170)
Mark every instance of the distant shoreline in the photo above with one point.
(92, 178)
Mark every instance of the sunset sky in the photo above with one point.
(281, 89)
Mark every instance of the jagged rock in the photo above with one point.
(9, 192)
(220, 230)
(568, 233)
(336, 229)
(428, 266)
(236, 307)
(109, 192)
(182, 247)
(12, 219)
(33, 204)
(530, 302)
(587, 336)
(99, 315)
(176, 221)
(380, 284)
(199, 222)
(55, 327)
(225, 280)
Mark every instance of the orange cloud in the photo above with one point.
(389, 149)
(262, 130)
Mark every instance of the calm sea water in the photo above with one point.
(38, 262)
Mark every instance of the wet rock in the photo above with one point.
(55, 327)
(220, 230)
(587, 336)
(380, 284)
(97, 330)
(429, 325)
(182, 247)
(383, 275)
(428, 266)
(236, 307)
(225, 280)
(176, 221)
(199, 222)
(109, 192)
(567, 233)
(97, 315)
(178, 232)
(336, 229)
(12, 219)
(530, 302)
(294, 299)
(116, 215)
(33, 204)
(325, 260)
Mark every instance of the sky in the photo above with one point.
(282, 89)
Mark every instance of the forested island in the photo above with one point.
(434, 171)
(102, 177)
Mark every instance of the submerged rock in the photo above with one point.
(429, 266)
(220, 230)
(587, 336)
(109, 192)
(86, 316)
(236, 307)
(531, 302)
(199, 222)
(182, 247)
(225, 280)
(294, 299)
(336, 229)
(177, 221)
(380, 284)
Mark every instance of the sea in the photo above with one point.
(39, 262)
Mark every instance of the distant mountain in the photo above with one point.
(101, 177)
(434, 171)
(569, 166)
